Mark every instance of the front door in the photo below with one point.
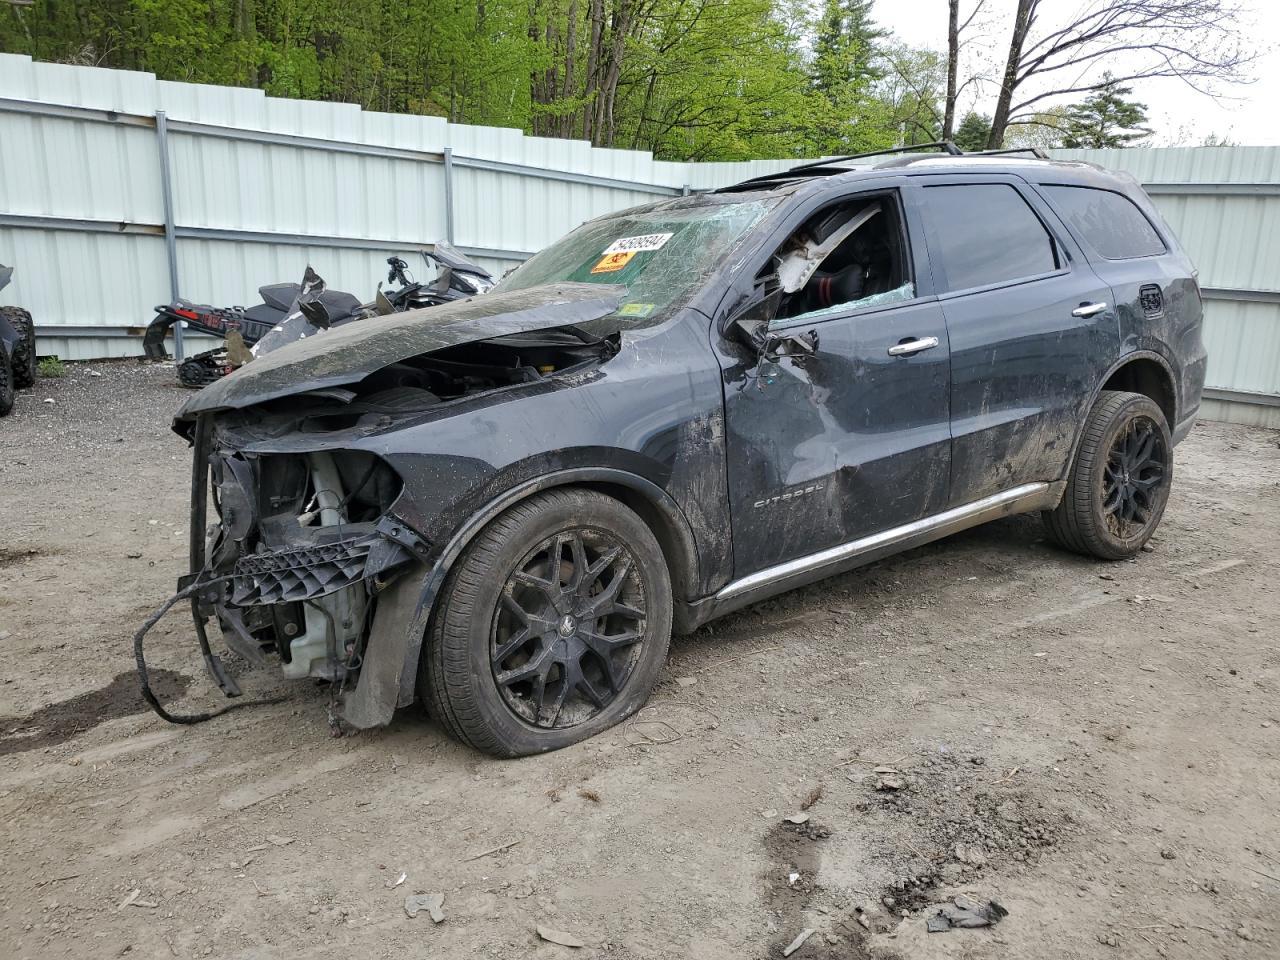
(828, 446)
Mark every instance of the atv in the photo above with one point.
(279, 318)
(17, 349)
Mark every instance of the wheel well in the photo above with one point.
(1150, 379)
(676, 548)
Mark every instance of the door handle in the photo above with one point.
(909, 347)
(1088, 309)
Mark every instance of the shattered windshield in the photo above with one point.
(660, 254)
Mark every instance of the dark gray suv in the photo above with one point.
(504, 506)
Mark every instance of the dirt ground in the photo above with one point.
(1096, 747)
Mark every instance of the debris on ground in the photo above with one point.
(492, 850)
(798, 942)
(433, 903)
(890, 781)
(392, 884)
(963, 912)
(971, 853)
(813, 797)
(806, 826)
(558, 936)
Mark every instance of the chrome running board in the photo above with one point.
(825, 563)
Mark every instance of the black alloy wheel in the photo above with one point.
(569, 629)
(1134, 477)
(552, 625)
(1119, 482)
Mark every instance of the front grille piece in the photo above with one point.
(302, 573)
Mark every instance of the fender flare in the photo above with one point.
(1125, 360)
(685, 549)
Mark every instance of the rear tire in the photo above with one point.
(552, 626)
(1120, 481)
(24, 352)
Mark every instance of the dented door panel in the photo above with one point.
(849, 441)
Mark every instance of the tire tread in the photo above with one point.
(1072, 525)
(444, 680)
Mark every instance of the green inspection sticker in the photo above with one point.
(635, 309)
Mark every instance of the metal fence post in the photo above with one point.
(170, 238)
(448, 194)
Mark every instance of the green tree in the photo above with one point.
(1044, 130)
(846, 116)
(973, 131)
(1105, 119)
(686, 79)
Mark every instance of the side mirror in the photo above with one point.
(799, 346)
(751, 320)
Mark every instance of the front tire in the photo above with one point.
(1120, 481)
(552, 626)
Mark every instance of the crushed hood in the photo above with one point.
(349, 353)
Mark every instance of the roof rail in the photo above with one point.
(944, 145)
(1035, 152)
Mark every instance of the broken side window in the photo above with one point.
(849, 256)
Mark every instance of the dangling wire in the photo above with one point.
(149, 695)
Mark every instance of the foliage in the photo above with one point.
(1106, 119)
(687, 79)
(1043, 129)
(51, 367)
(973, 131)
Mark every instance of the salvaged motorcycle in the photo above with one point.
(290, 311)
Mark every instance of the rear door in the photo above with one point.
(1031, 328)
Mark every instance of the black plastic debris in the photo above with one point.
(966, 913)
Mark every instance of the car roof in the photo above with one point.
(841, 171)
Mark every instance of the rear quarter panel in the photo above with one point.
(1176, 332)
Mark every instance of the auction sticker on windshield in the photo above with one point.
(648, 241)
(612, 262)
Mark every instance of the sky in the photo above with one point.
(1177, 114)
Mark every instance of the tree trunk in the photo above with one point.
(953, 57)
(568, 91)
(618, 27)
(592, 82)
(1021, 26)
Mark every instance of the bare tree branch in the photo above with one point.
(1196, 41)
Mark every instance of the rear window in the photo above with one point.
(988, 234)
(1111, 222)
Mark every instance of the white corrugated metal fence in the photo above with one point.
(261, 186)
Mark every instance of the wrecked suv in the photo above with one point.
(504, 506)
